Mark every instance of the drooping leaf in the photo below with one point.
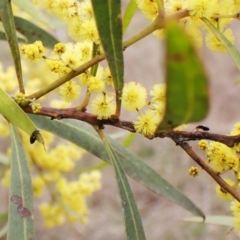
(34, 33)
(218, 220)
(109, 23)
(186, 82)
(132, 219)
(20, 219)
(128, 14)
(7, 20)
(13, 113)
(234, 53)
(84, 136)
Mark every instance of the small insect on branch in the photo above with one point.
(202, 127)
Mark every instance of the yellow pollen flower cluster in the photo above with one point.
(36, 107)
(71, 205)
(146, 123)
(20, 98)
(57, 66)
(78, 16)
(107, 76)
(203, 144)
(103, 106)
(70, 91)
(94, 84)
(192, 23)
(221, 193)
(134, 96)
(38, 184)
(201, 8)
(149, 8)
(32, 51)
(215, 45)
(222, 158)
(235, 209)
(59, 48)
(193, 171)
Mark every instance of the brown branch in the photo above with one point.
(177, 136)
(187, 148)
(184, 136)
(73, 113)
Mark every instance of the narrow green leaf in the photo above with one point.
(234, 53)
(218, 220)
(10, 30)
(132, 219)
(128, 14)
(34, 33)
(187, 88)
(20, 219)
(12, 112)
(108, 19)
(32, 10)
(84, 136)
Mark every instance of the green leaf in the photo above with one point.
(128, 14)
(218, 220)
(10, 30)
(234, 53)
(108, 19)
(13, 113)
(34, 33)
(186, 83)
(20, 219)
(32, 10)
(84, 136)
(133, 223)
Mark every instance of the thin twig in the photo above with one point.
(187, 148)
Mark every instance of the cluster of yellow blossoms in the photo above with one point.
(67, 57)
(224, 159)
(50, 173)
(79, 19)
(220, 13)
(68, 198)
